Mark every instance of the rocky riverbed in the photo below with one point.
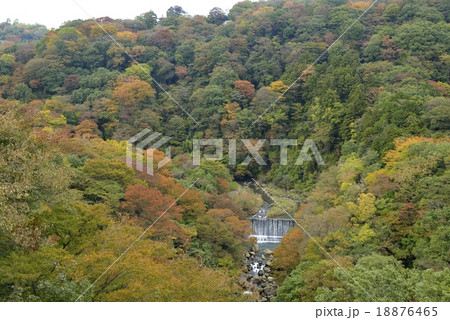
(257, 280)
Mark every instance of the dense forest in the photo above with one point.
(376, 104)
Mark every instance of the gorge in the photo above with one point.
(268, 232)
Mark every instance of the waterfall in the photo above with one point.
(270, 230)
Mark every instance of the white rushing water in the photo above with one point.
(266, 239)
(268, 233)
(270, 230)
(267, 230)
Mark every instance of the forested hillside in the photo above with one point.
(376, 104)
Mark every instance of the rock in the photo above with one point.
(270, 279)
(242, 280)
(248, 276)
(270, 291)
(266, 269)
(247, 255)
(252, 253)
(269, 263)
(263, 257)
(268, 252)
(247, 285)
(260, 273)
(254, 247)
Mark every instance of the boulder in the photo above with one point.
(242, 280)
(247, 285)
(270, 291)
(268, 252)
